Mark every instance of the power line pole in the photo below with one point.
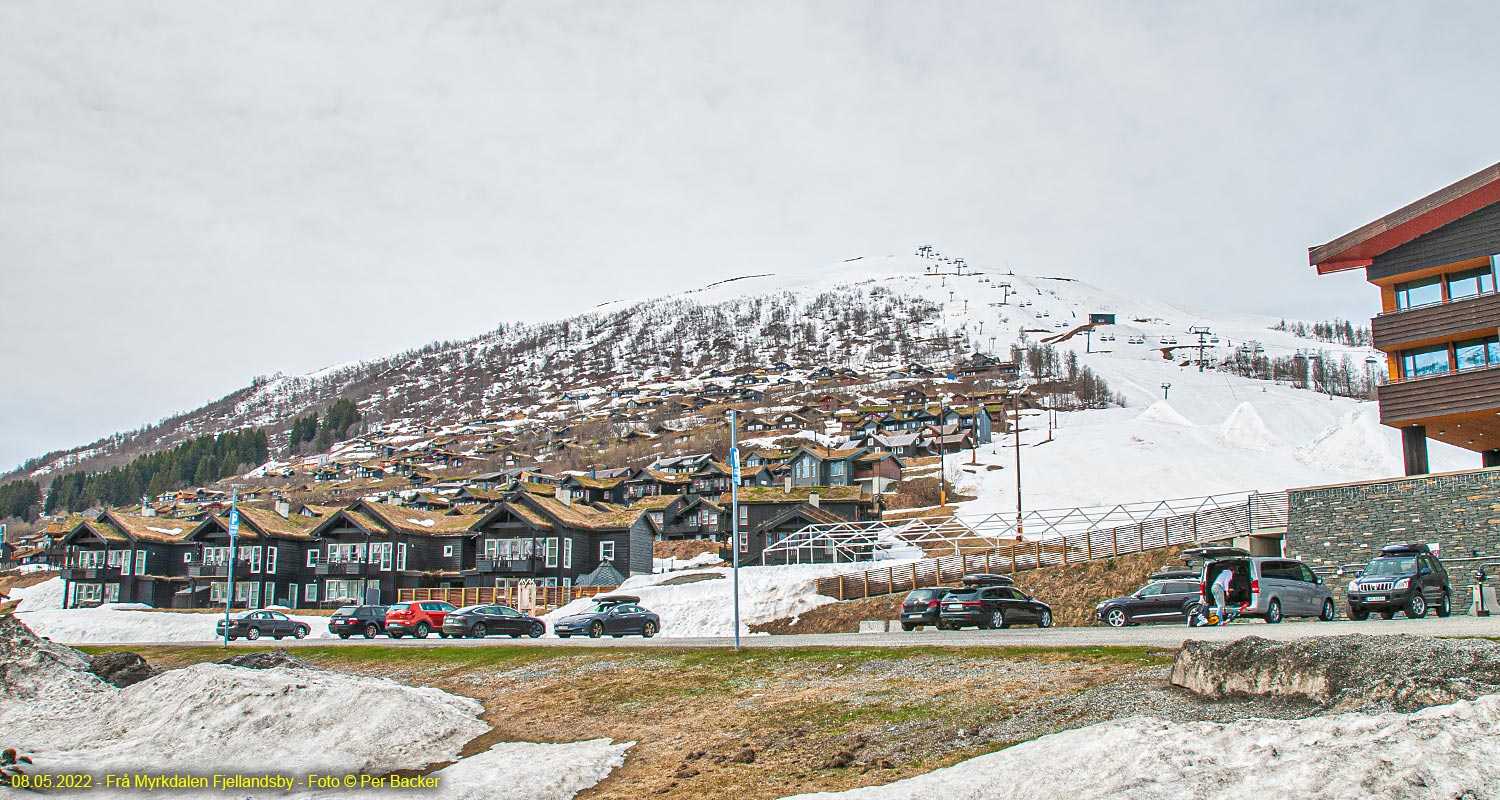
(1203, 334)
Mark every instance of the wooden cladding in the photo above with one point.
(1477, 234)
(1440, 395)
(1471, 316)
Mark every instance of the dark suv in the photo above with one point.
(993, 607)
(368, 621)
(921, 608)
(1157, 601)
(1404, 577)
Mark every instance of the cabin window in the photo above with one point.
(551, 552)
(1475, 353)
(400, 558)
(744, 516)
(187, 558)
(567, 553)
(271, 560)
(744, 541)
(125, 563)
(113, 559)
(310, 593)
(836, 469)
(1471, 283)
(312, 558)
(111, 592)
(656, 517)
(345, 590)
(87, 592)
(1425, 361)
(270, 592)
(255, 556)
(447, 551)
(606, 551)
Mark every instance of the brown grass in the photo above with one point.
(684, 549)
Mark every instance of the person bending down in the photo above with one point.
(1221, 593)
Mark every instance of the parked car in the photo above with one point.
(481, 621)
(1404, 577)
(254, 624)
(418, 618)
(993, 607)
(1270, 588)
(616, 615)
(368, 621)
(1157, 601)
(921, 607)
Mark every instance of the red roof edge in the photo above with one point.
(1358, 247)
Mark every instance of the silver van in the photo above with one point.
(1269, 588)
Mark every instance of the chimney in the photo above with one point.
(812, 499)
(788, 484)
(283, 508)
(563, 496)
(146, 509)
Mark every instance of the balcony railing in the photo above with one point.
(344, 568)
(210, 570)
(504, 564)
(83, 573)
(1445, 393)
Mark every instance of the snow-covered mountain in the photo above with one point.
(1214, 432)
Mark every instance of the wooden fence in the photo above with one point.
(1260, 512)
(547, 597)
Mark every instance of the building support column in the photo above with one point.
(1414, 449)
(1491, 458)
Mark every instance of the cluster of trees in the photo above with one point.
(341, 416)
(1321, 372)
(196, 462)
(20, 500)
(1340, 331)
(1083, 388)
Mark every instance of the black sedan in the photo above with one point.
(993, 607)
(368, 621)
(254, 624)
(481, 621)
(1158, 601)
(616, 615)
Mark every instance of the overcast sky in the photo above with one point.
(195, 193)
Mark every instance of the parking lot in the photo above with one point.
(1169, 636)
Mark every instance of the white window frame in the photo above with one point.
(312, 558)
(111, 593)
(551, 549)
(310, 593)
(270, 592)
(744, 541)
(447, 551)
(607, 551)
(271, 559)
(567, 553)
(387, 552)
(255, 559)
(187, 558)
(140, 562)
(87, 592)
(401, 556)
(125, 563)
(113, 558)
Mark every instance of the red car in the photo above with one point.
(418, 618)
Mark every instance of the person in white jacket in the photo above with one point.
(1220, 591)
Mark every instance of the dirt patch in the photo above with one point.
(19, 580)
(837, 617)
(755, 724)
(685, 549)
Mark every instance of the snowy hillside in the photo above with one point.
(874, 315)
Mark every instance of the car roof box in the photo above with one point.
(616, 599)
(988, 579)
(1403, 549)
(1175, 574)
(1211, 553)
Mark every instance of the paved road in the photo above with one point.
(1165, 636)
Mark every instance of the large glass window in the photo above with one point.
(1421, 292)
(1471, 283)
(1474, 353)
(1425, 361)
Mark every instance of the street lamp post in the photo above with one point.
(734, 515)
(1165, 388)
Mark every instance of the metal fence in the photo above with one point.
(1218, 523)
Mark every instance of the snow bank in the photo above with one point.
(41, 596)
(706, 607)
(526, 771)
(1161, 411)
(1442, 752)
(673, 564)
(1355, 445)
(1244, 429)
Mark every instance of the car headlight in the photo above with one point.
(1353, 586)
(1403, 583)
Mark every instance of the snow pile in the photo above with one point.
(705, 607)
(1442, 752)
(526, 771)
(1245, 430)
(1355, 445)
(673, 564)
(121, 623)
(1164, 413)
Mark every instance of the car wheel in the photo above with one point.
(596, 630)
(1416, 607)
(1359, 616)
(908, 626)
(997, 620)
(252, 634)
(1330, 612)
(1273, 612)
(343, 636)
(536, 631)
(301, 631)
(1116, 618)
(422, 630)
(1447, 606)
(1387, 615)
(479, 630)
(1044, 620)
(371, 631)
(648, 630)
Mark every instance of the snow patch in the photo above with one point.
(1245, 430)
(1161, 411)
(1355, 445)
(426, 523)
(167, 531)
